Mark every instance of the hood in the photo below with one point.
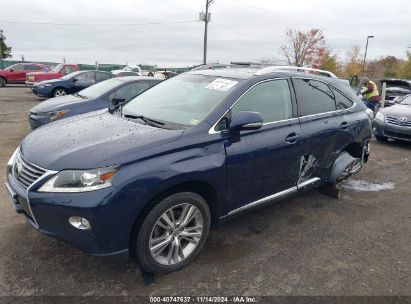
(49, 81)
(91, 140)
(397, 111)
(58, 104)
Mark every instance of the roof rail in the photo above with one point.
(271, 69)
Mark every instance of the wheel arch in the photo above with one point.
(202, 188)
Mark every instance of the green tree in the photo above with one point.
(405, 71)
(5, 50)
(330, 62)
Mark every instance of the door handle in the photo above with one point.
(292, 137)
(344, 125)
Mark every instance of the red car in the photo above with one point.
(58, 71)
(17, 72)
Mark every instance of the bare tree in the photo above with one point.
(304, 48)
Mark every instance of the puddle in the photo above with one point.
(366, 186)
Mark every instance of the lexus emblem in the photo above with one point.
(403, 119)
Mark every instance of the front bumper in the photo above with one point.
(49, 213)
(384, 129)
(43, 92)
(36, 121)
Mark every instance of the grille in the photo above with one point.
(25, 172)
(395, 121)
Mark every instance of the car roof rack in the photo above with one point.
(271, 69)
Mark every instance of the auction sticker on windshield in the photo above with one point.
(221, 84)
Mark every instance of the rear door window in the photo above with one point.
(102, 76)
(341, 101)
(313, 97)
(129, 90)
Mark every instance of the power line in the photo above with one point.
(98, 24)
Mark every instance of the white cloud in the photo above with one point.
(240, 29)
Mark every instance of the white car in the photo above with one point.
(127, 69)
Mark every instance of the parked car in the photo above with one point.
(128, 68)
(106, 94)
(69, 84)
(394, 122)
(16, 73)
(58, 71)
(164, 74)
(149, 178)
(396, 89)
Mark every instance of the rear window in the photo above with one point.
(341, 101)
(313, 97)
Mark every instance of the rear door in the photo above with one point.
(323, 125)
(264, 162)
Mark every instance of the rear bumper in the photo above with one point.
(29, 83)
(385, 129)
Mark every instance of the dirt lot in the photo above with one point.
(307, 245)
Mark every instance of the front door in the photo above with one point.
(264, 162)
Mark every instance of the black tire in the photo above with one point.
(2, 82)
(142, 248)
(381, 138)
(59, 92)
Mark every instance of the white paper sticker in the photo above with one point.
(221, 84)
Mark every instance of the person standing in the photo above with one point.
(371, 93)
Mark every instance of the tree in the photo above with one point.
(5, 50)
(304, 48)
(330, 62)
(405, 71)
(353, 64)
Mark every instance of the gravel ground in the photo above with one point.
(310, 244)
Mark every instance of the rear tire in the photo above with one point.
(381, 138)
(173, 233)
(59, 92)
(2, 82)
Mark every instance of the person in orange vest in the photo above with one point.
(371, 93)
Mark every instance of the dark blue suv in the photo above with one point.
(149, 178)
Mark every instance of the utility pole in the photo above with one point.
(1, 52)
(365, 54)
(206, 17)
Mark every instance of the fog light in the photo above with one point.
(79, 222)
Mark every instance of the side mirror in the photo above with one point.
(117, 101)
(75, 80)
(11, 70)
(246, 120)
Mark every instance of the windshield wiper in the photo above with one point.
(79, 95)
(147, 120)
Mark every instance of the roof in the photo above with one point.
(246, 73)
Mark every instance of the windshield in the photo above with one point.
(183, 100)
(57, 68)
(127, 68)
(100, 88)
(406, 101)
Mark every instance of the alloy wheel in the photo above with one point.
(60, 93)
(176, 234)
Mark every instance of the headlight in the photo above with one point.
(41, 86)
(80, 180)
(57, 115)
(11, 160)
(379, 116)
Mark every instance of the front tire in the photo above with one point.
(59, 92)
(2, 82)
(173, 233)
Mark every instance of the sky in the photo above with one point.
(169, 33)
